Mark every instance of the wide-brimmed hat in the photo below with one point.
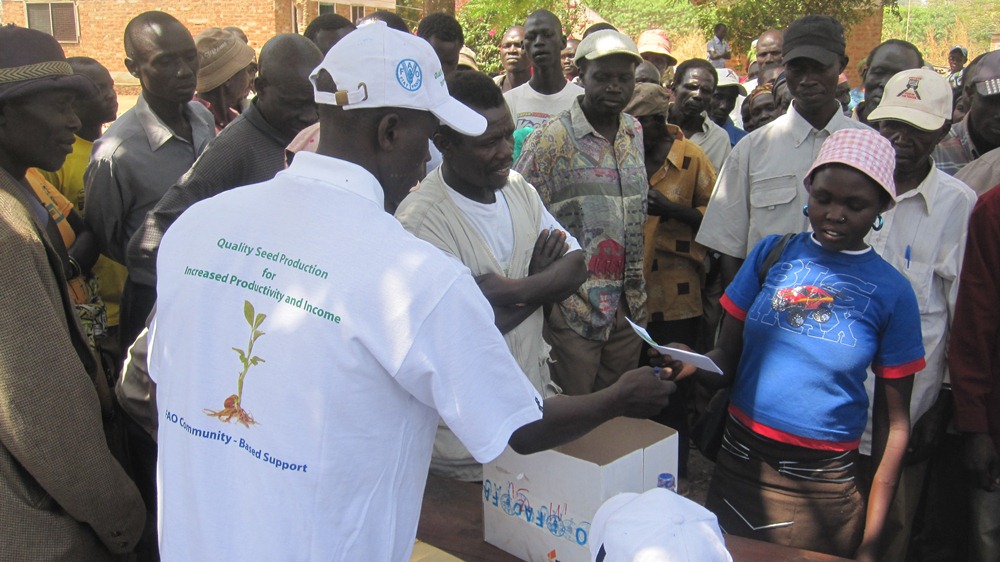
(221, 54)
(862, 149)
(32, 61)
(655, 41)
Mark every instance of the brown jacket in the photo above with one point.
(63, 496)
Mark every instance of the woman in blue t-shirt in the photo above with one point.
(799, 344)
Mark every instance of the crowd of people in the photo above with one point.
(422, 264)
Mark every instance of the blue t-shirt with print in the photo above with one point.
(811, 331)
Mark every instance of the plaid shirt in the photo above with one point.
(597, 190)
(956, 150)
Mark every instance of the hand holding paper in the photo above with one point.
(688, 357)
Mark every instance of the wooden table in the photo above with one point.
(452, 519)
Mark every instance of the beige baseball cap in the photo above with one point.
(607, 42)
(919, 97)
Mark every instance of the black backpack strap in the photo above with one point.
(772, 257)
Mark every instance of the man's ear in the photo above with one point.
(388, 131)
(132, 67)
(843, 63)
(443, 142)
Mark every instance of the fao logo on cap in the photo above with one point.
(409, 75)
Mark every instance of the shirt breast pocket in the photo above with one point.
(768, 193)
(921, 277)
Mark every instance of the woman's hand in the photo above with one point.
(672, 369)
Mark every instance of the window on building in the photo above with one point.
(327, 9)
(357, 13)
(58, 19)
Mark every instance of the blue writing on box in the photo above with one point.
(515, 503)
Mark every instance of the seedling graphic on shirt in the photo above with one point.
(233, 406)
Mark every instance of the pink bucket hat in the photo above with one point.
(862, 149)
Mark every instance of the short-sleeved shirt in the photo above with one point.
(673, 261)
(760, 189)
(810, 333)
(530, 108)
(595, 188)
(717, 46)
(133, 164)
(341, 351)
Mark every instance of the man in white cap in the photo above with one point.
(587, 164)
(359, 337)
(728, 94)
(924, 238)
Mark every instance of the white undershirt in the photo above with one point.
(493, 222)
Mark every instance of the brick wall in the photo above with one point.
(102, 24)
(861, 39)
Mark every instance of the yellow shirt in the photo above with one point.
(673, 261)
(69, 181)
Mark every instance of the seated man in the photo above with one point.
(476, 209)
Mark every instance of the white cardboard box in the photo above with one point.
(539, 507)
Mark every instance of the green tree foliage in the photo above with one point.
(485, 21)
(747, 19)
(634, 16)
(934, 26)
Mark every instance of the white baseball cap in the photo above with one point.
(919, 97)
(656, 526)
(728, 79)
(375, 66)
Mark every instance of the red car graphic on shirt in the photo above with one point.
(802, 301)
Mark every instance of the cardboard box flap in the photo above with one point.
(615, 439)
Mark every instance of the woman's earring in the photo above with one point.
(805, 210)
(879, 222)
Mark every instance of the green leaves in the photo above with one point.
(248, 312)
(243, 356)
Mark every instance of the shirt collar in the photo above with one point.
(801, 129)
(582, 127)
(158, 133)
(926, 190)
(338, 173)
(678, 148)
(256, 118)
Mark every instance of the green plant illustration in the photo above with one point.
(232, 409)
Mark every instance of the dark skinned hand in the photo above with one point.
(982, 460)
(644, 392)
(549, 247)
